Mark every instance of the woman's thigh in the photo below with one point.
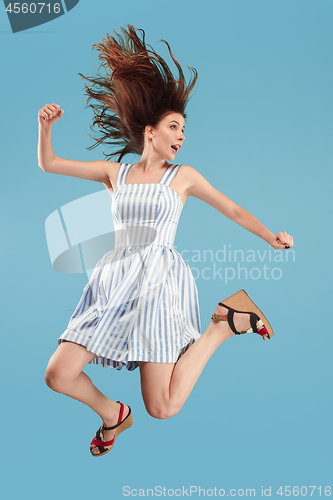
(155, 388)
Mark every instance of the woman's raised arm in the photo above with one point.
(98, 171)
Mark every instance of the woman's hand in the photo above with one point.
(282, 240)
(49, 115)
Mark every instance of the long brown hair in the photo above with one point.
(138, 90)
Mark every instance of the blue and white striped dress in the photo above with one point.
(141, 302)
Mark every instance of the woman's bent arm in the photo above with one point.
(49, 162)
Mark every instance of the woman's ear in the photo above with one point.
(149, 131)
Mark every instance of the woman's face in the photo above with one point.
(168, 136)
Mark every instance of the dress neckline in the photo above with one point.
(150, 183)
(144, 183)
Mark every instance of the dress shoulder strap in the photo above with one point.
(122, 173)
(169, 174)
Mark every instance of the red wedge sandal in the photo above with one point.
(106, 446)
(240, 302)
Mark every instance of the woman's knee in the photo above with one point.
(52, 379)
(56, 379)
(66, 364)
(161, 410)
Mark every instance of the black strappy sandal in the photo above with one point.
(244, 304)
(106, 446)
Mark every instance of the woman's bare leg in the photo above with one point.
(166, 386)
(64, 374)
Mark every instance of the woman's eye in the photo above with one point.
(173, 126)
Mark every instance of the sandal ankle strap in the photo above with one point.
(120, 421)
(253, 318)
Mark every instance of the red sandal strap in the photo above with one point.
(121, 411)
(97, 442)
(263, 331)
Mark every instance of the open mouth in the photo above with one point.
(175, 148)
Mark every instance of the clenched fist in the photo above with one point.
(49, 115)
(282, 240)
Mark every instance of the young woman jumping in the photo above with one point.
(140, 307)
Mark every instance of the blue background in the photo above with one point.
(259, 129)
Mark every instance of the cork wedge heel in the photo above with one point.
(106, 446)
(240, 302)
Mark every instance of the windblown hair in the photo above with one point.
(138, 90)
